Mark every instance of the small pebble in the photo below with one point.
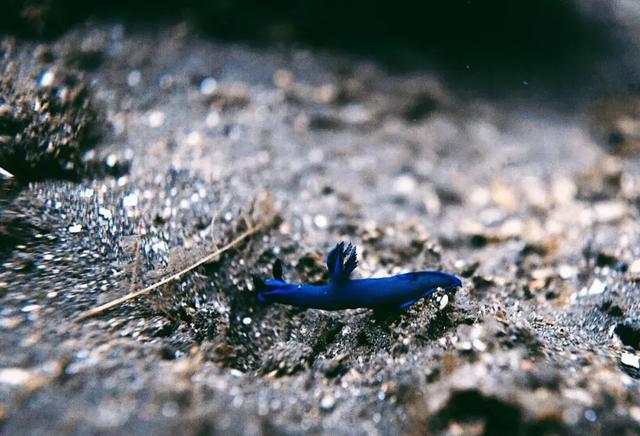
(404, 184)
(444, 301)
(133, 78)
(321, 221)
(76, 228)
(567, 271)
(47, 78)
(634, 270)
(30, 308)
(590, 415)
(208, 86)
(327, 402)
(597, 287)
(194, 139)
(630, 359)
(111, 161)
(105, 213)
(170, 409)
(212, 119)
(609, 211)
(156, 119)
(479, 345)
(130, 200)
(14, 376)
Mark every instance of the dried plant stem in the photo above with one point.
(208, 258)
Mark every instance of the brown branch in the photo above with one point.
(208, 258)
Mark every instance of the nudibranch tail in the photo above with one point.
(269, 290)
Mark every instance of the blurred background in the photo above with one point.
(546, 40)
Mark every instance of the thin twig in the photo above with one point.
(208, 258)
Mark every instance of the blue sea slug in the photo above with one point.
(342, 292)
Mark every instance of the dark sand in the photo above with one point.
(136, 149)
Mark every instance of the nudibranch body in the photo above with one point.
(342, 292)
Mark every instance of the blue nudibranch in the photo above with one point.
(394, 292)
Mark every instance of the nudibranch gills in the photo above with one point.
(394, 292)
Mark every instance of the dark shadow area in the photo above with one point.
(629, 333)
(15, 230)
(497, 417)
(494, 45)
